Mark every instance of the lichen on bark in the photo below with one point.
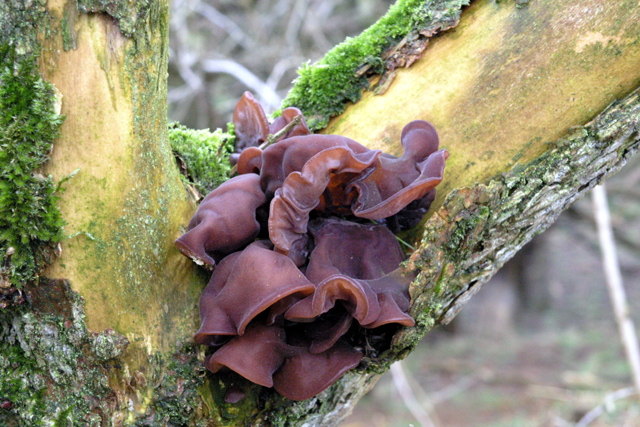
(128, 13)
(479, 228)
(53, 371)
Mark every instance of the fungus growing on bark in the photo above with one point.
(224, 222)
(252, 127)
(250, 123)
(356, 265)
(248, 283)
(288, 312)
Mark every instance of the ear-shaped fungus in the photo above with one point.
(256, 355)
(355, 264)
(376, 187)
(246, 284)
(396, 182)
(263, 356)
(290, 155)
(302, 377)
(250, 123)
(266, 319)
(224, 222)
(301, 191)
(252, 127)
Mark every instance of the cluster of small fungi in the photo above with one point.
(302, 248)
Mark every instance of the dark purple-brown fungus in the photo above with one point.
(250, 124)
(367, 184)
(234, 395)
(302, 191)
(244, 285)
(252, 127)
(224, 222)
(302, 377)
(396, 182)
(288, 312)
(357, 266)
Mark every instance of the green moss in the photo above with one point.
(51, 369)
(69, 17)
(30, 222)
(205, 154)
(323, 89)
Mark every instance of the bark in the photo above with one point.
(524, 98)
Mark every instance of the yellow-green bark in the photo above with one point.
(506, 82)
(506, 86)
(126, 205)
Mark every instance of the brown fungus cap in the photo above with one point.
(252, 127)
(288, 155)
(344, 178)
(287, 312)
(248, 284)
(396, 182)
(224, 222)
(250, 123)
(356, 265)
(303, 376)
(256, 355)
(302, 192)
(263, 356)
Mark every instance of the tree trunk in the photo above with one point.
(536, 104)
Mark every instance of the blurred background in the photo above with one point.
(538, 345)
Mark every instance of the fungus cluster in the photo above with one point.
(302, 248)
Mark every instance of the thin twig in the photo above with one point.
(413, 248)
(456, 388)
(408, 397)
(605, 406)
(223, 21)
(614, 281)
(228, 66)
(292, 33)
(273, 138)
(281, 67)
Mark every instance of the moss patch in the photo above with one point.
(203, 155)
(30, 222)
(19, 21)
(53, 371)
(323, 89)
(174, 383)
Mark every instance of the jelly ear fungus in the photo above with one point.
(302, 250)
